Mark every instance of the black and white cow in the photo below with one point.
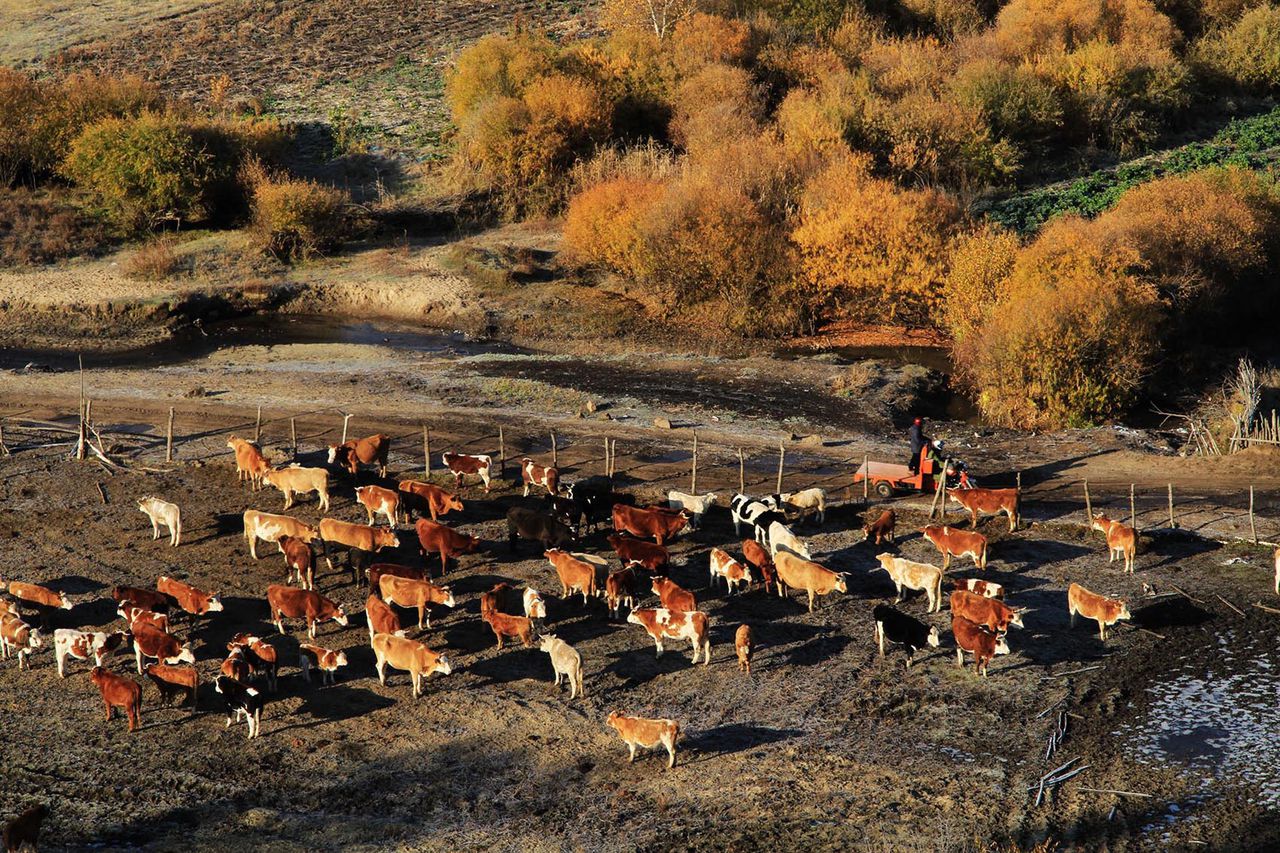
(241, 702)
(905, 630)
(758, 513)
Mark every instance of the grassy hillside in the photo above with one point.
(35, 29)
(371, 70)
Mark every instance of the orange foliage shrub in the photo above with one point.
(980, 263)
(1017, 103)
(658, 17)
(495, 66)
(716, 102)
(606, 226)
(1074, 338)
(935, 141)
(1028, 28)
(702, 39)
(867, 250)
(826, 118)
(1247, 51)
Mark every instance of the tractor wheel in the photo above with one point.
(884, 489)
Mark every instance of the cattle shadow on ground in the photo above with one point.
(584, 629)
(1171, 548)
(469, 636)
(732, 738)
(329, 703)
(820, 649)
(468, 584)
(1172, 612)
(641, 665)
(1034, 553)
(511, 664)
(98, 613)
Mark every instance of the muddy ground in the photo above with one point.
(823, 746)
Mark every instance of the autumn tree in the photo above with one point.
(657, 16)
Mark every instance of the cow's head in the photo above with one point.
(448, 599)
(841, 585)
(340, 616)
(1002, 645)
(452, 502)
(1015, 618)
(934, 637)
(386, 538)
(633, 618)
(536, 606)
(34, 638)
(215, 605)
(1124, 612)
(444, 666)
(660, 583)
(333, 453)
(185, 655)
(340, 659)
(886, 560)
(546, 642)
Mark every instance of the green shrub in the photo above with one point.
(297, 219)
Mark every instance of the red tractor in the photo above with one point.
(888, 478)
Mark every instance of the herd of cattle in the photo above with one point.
(774, 557)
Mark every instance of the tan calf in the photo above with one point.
(301, 481)
(414, 594)
(796, 572)
(1101, 609)
(273, 527)
(1122, 540)
(251, 464)
(516, 627)
(409, 655)
(575, 575)
(907, 574)
(743, 645)
(957, 543)
(637, 731)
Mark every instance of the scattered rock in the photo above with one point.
(662, 423)
(198, 391)
(591, 407)
(811, 441)
(604, 416)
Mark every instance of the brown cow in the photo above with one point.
(575, 575)
(691, 625)
(619, 588)
(261, 655)
(375, 572)
(990, 502)
(1122, 540)
(630, 550)
(437, 500)
(172, 680)
(881, 529)
(758, 557)
(362, 537)
(461, 465)
(39, 595)
(195, 601)
(273, 527)
(149, 599)
(300, 561)
(509, 626)
(957, 543)
(378, 500)
(1105, 611)
(150, 642)
(409, 655)
(23, 832)
(744, 646)
(415, 594)
(251, 464)
(655, 522)
(371, 450)
(672, 595)
(437, 538)
(119, 692)
(637, 731)
(987, 589)
(995, 615)
(503, 599)
(317, 657)
(285, 601)
(798, 573)
(534, 474)
(977, 641)
(381, 618)
(237, 665)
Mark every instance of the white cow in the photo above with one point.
(782, 539)
(162, 512)
(534, 606)
(909, 574)
(696, 505)
(80, 645)
(566, 662)
(810, 500)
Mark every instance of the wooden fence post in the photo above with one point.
(1173, 524)
(426, 453)
(502, 454)
(1088, 509)
(693, 476)
(345, 419)
(782, 458)
(742, 473)
(866, 479)
(1133, 513)
(554, 454)
(4, 448)
(1253, 526)
(293, 436)
(168, 438)
(1019, 483)
(257, 428)
(82, 431)
(606, 456)
(613, 458)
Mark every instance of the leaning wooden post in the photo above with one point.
(944, 473)
(613, 458)
(1088, 509)
(1133, 513)
(693, 475)
(345, 419)
(257, 428)
(293, 436)
(866, 479)
(4, 448)
(426, 453)
(939, 493)
(1253, 526)
(82, 432)
(502, 454)
(168, 438)
(554, 454)
(782, 458)
(1173, 524)
(742, 473)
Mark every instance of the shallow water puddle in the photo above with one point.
(1218, 715)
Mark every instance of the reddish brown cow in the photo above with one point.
(447, 542)
(672, 595)
(378, 500)
(287, 602)
(142, 616)
(150, 642)
(534, 474)
(757, 556)
(172, 680)
(119, 692)
(261, 655)
(381, 618)
(992, 613)
(957, 543)
(139, 597)
(881, 529)
(655, 522)
(300, 561)
(652, 557)
(437, 501)
(237, 665)
(195, 601)
(371, 450)
(990, 502)
(977, 641)
(461, 465)
(509, 626)
(621, 587)
(39, 595)
(575, 575)
(377, 570)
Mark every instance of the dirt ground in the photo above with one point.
(824, 746)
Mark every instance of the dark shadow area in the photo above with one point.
(735, 737)
(1170, 612)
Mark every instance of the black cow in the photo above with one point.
(594, 498)
(566, 510)
(905, 630)
(528, 524)
(241, 702)
(23, 832)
